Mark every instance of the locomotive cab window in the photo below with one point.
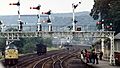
(11, 46)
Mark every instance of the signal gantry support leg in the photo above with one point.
(112, 59)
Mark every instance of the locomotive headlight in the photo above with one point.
(16, 51)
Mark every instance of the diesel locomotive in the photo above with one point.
(11, 54)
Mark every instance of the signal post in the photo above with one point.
(49, 20)
(39, 26)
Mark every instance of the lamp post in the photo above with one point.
(74, 6)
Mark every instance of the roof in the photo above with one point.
(117, 36)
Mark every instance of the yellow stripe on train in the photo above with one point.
(11, 54)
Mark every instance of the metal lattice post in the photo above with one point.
(112, 59)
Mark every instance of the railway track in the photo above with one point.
(54, 59)
(47, 62)
(29, 60)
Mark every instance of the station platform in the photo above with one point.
(103, 64)
(76, 63)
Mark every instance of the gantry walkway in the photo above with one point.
(94, 34)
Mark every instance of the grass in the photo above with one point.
(52, 48)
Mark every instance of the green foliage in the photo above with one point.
(29, 48)
(29, 44)
(19, 44)
(95, 17)
(1, 57)
(11, 29)
(48, 42)
(108, 9)
(99, 26)
(2, 44)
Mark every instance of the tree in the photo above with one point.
(2, 44)
(107, 9)
(29, 48)
(29, 44)
(48, 42)
(11, 29)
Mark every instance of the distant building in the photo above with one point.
(117, 42)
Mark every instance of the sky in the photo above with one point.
(57, 6)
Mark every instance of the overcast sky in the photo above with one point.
(57, 6)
